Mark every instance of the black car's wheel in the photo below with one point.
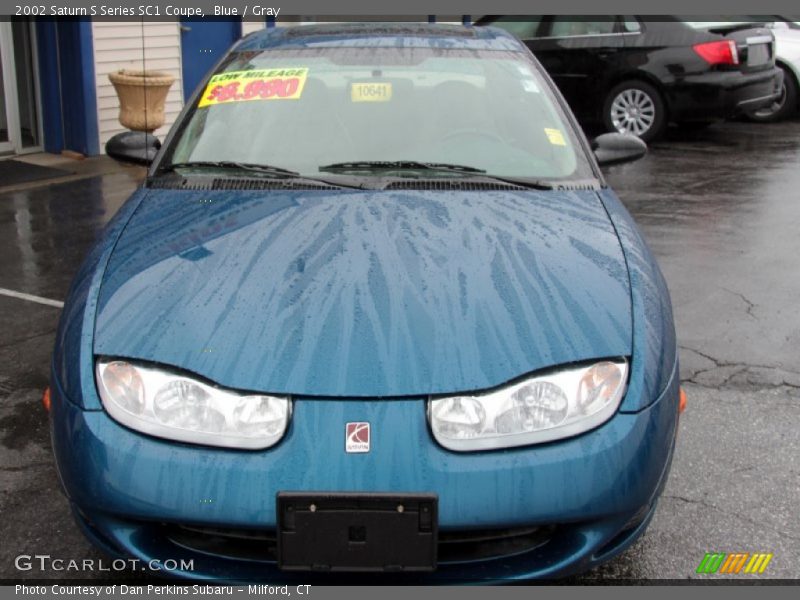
(635, 107)
(784, 105)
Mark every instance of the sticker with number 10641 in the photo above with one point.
(371, 92)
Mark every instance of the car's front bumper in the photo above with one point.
(591, 495)
(717, 95)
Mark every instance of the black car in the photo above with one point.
(636, 76)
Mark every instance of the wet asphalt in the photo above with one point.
(721, 210)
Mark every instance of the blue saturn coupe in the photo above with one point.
(375, 311)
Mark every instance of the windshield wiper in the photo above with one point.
(413, 165)
(398, 165)
(231, 164)
(342, 167)
(265, 170)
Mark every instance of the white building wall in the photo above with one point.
(251, 26)
(139, 45)
(132, 45)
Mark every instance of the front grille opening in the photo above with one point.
(455, 546)
(485, 544)
(239, 544)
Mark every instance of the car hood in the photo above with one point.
(373, 293)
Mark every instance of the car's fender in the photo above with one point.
(654, 343)
(73, 362)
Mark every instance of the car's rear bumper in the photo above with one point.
(581, 500)
(717, 95)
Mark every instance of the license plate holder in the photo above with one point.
(377, 532)
(757, 54)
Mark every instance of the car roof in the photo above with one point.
(377, 35)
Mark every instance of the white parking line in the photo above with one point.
(30, 298)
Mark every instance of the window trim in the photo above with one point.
(548, 22)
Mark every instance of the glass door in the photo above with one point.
(7, 97)
(20, 125)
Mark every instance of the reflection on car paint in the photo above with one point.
(373, 293)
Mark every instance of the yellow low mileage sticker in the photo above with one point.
(371, 92)
(243, 86)
(555, 136)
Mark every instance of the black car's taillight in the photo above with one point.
(718, 53)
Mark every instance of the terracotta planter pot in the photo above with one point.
(142, 95)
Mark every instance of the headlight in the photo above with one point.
(179, 407)
(539, 409)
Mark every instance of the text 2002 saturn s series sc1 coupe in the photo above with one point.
(374, 309)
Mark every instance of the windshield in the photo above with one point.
(305, 109)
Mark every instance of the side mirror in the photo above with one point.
(613, 148)
(134, 147)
